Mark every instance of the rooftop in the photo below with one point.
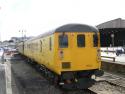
(116, 23)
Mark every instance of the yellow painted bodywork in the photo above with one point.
(20, 47)
(40, 52)
(84, 58)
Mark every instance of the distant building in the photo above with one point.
(19, 39)
(7, 44)
(112, 33)
(13, 42)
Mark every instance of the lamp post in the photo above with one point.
(23, 33)
(24, 38)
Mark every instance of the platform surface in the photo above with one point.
(2, 79)
(116, 62)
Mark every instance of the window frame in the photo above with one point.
(61, 41)
(84, 41)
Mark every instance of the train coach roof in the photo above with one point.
(69, 28)
(76, 28)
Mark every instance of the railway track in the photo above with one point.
(113, 79)
(109, 84)
(52, 90)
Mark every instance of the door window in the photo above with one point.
(95, 40)
(63, 41)
(81, 40)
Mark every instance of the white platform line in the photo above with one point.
(8, 77)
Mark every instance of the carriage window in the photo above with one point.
(81, 40)
(40, 45)
(50, 44)
(95, 40)
(63, 41)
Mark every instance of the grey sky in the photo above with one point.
(39, 16)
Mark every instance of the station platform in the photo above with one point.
(114, 67)
(2, 79)
(7, 81)
(116, 62)
(112, 61)
(110, 54)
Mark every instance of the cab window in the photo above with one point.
(95, 40)
(81, 40)
(63, 41)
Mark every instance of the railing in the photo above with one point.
(113, 58)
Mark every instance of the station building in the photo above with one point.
(112, 33)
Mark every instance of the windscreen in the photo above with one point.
(63, 41)
(95, 40)
(81, 40)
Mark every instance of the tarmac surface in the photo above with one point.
(7, 80)
(29, 80)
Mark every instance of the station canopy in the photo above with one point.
(112, 33)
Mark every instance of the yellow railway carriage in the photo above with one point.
(21, 47)
(69, 54)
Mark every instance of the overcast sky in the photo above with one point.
(38, 16)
